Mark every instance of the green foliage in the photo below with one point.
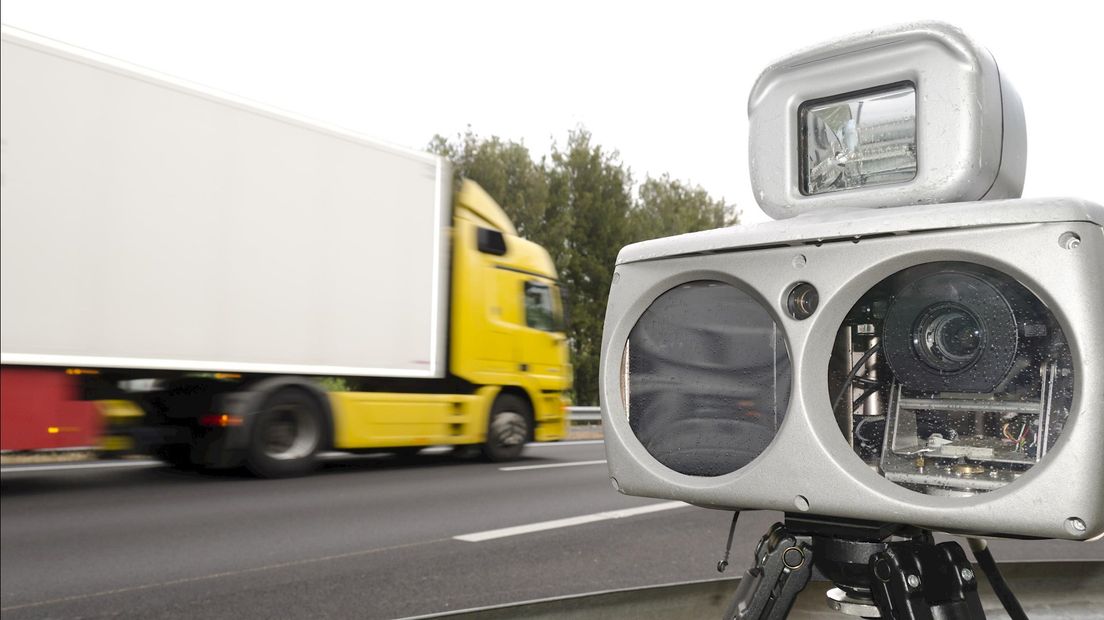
(594, 187)
(506, 171)
(579, 205)
(335, 384)
(670, 207)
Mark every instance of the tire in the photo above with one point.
(510, 426)
(286, 435)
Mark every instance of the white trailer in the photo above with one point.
(308, 249)
(286, 287)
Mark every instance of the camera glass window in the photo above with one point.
(951, 378)
(705, 378)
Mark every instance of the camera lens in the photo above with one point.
(948, 337)
(949, 329)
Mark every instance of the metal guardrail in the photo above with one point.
(584, 415)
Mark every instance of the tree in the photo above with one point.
(592, 186)
(506, 170)
(670, 207)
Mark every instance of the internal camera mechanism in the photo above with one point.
(951, 378)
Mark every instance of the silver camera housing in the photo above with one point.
(809, 465)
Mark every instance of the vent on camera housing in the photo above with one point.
(951, 378)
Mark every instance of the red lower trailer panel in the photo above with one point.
(40, 410)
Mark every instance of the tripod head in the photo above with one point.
(877, 570)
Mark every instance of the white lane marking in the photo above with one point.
(568, 522)
(14, 469)
(550, 465)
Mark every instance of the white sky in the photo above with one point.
(666, 84)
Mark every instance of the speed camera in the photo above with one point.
(909, 343)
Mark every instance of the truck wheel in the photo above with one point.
(286, 436)
(508, 429)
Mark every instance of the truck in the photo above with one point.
(260, 287)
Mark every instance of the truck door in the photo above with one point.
(544, 343)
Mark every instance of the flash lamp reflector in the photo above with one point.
(858, 140)
(705, 378)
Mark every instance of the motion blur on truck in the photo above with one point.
(222, 284)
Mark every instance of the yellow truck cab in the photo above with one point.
(507, 315)
(507, 348)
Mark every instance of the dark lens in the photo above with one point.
(958, 336)
(948, 337)
(802, 301)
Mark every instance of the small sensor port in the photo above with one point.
(802, 301)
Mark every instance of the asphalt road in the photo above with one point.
(369, 537)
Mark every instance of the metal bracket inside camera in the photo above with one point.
(965, 463)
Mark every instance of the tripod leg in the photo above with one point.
(916, 580)
(783, 565)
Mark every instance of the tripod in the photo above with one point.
(907, 578)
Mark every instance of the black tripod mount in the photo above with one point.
(879, 571)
